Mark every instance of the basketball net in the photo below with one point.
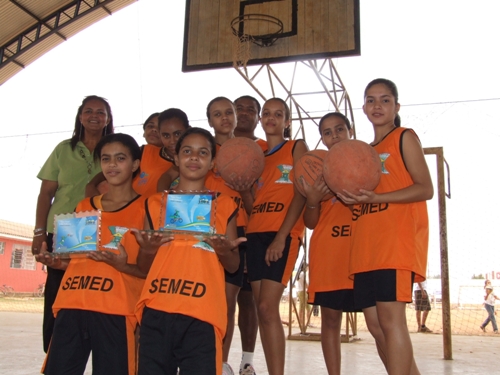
(241, 50)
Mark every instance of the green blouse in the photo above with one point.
(72, 170)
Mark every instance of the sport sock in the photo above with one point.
(246, 358)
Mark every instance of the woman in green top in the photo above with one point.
(64, 175)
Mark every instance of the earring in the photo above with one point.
(80, 135)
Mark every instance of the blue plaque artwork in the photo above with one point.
(76, 233)
(188, 215)
(189, 212)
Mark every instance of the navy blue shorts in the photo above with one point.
(279, 271)
(382, 286)
(79, 332)
(336, 300)
(169, 341)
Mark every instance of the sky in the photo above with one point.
(442, 55)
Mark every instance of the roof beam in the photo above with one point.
(41, 30)
(27, 11)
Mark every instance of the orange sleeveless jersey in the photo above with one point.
(96, 286)
(152, 168)
(274, 193)
(329, 249)
(186, 277)
(262, 143)
(215, 182)
(391, 235)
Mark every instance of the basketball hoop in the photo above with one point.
(251, 22)
(243, 29)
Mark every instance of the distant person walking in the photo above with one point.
(489, 305)
(422, 306)
(302, 285)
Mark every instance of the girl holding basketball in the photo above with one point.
(275, 229)
(390, 239)
(329, 284)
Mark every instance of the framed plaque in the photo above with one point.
(188, 215)
(76, 234)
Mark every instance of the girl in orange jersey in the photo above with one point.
(329, 284)
(150, 127)
(173, 123)
(155, 162)
(275, 229)
(221, 115)
(182, 308)
(390, 240)
(95, 304)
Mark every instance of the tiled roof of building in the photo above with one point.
(16, 229)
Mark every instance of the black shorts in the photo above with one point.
(78, 332)
(382, 286)
(279, 271)
(236, 278)
(336, 300)
(422, 303)
(169, 341)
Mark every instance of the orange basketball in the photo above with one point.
(352, 165)
(240, 157)
(309, 167)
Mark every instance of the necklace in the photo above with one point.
(165, 155)
(89, 164)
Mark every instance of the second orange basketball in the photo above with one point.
(352, 165)
(239, 158)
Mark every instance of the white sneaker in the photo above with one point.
(226, 369)
(247, 370)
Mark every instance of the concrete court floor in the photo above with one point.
(21, 352)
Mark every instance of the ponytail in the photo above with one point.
(397, 121)
(287, 133)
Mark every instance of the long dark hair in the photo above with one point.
(394, 91)
(79, 130)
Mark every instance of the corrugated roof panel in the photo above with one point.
(10, 70)
(16, 229)
(13, 19)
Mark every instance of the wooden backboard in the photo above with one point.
(309, 29)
